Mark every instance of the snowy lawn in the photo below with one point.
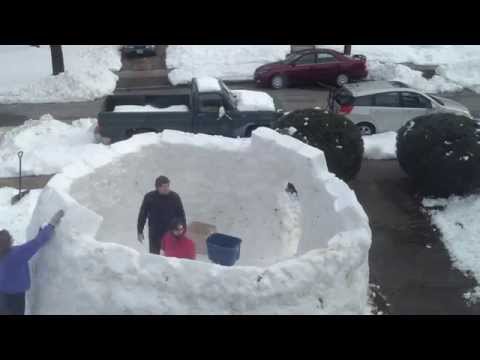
(48, 146)
(460, 232)
(26, 73)
(227, 62)
(15, 218)
(459, 65)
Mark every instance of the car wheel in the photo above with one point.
(342, 79)
(366, 129)
(278, 82)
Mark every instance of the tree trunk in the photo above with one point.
(57, 59)
(347, 50)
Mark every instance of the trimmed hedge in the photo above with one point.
(441, 154)
(335, 135)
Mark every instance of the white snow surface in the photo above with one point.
(248, 100)
(460, 231)
(26, 73)
(458, 65)
(48, 145)
(380, 146)
(208, 84)
(15, 218)
(226, 62)
(305, 255)
(150, 108)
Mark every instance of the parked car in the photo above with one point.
(210, 108)
(312, 66)
(130, 50)
(380, 106)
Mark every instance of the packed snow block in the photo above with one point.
(302, 253)
(441, 154)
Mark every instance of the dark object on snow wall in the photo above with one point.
(441, 154)
(335, 135)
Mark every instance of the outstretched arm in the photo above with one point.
(26, 251)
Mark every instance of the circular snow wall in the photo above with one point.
(302, 254)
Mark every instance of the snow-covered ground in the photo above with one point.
(48, 145)
(458, 65)
(227, 62)
(299, 255)
(460, 232)
(380, 146)
(26, 73)
(15, 218)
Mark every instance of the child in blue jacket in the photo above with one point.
(14, 271)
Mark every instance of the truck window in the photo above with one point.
(210, 102)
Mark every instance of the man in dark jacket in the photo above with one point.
(160, 206)
(14, 271)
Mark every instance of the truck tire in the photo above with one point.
(249, 130)
(366, 128)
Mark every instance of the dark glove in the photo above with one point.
(57, 217)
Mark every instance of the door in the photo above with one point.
(387, 113)
(209, 119)
(325, 68)
(301, 71)
(414, 105)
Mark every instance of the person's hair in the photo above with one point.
(161, 180)
(175, 223)
(5, 242)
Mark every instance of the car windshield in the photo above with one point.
(231, 96)
(436, 99)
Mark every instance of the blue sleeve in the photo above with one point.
(26, 251)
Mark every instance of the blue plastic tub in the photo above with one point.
(223, 249)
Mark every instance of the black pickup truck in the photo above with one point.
(210, 110)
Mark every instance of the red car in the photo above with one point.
(310, 67)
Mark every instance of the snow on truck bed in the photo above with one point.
(149, 108)
(299, 255)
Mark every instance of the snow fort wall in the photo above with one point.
(301, 254)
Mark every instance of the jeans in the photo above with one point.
(12, 304)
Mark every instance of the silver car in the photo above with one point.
(380, 106)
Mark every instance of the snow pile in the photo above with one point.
(380, 146)
(305, 254)
(16, 218)
(48, 145)
(253, 100)
(458, 65)
(149, 108)
(460, 229)
(26, 73)
(227, 62)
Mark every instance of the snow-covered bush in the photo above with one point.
(335, 135)
(441, 153)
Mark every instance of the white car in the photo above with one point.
(380, 106)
